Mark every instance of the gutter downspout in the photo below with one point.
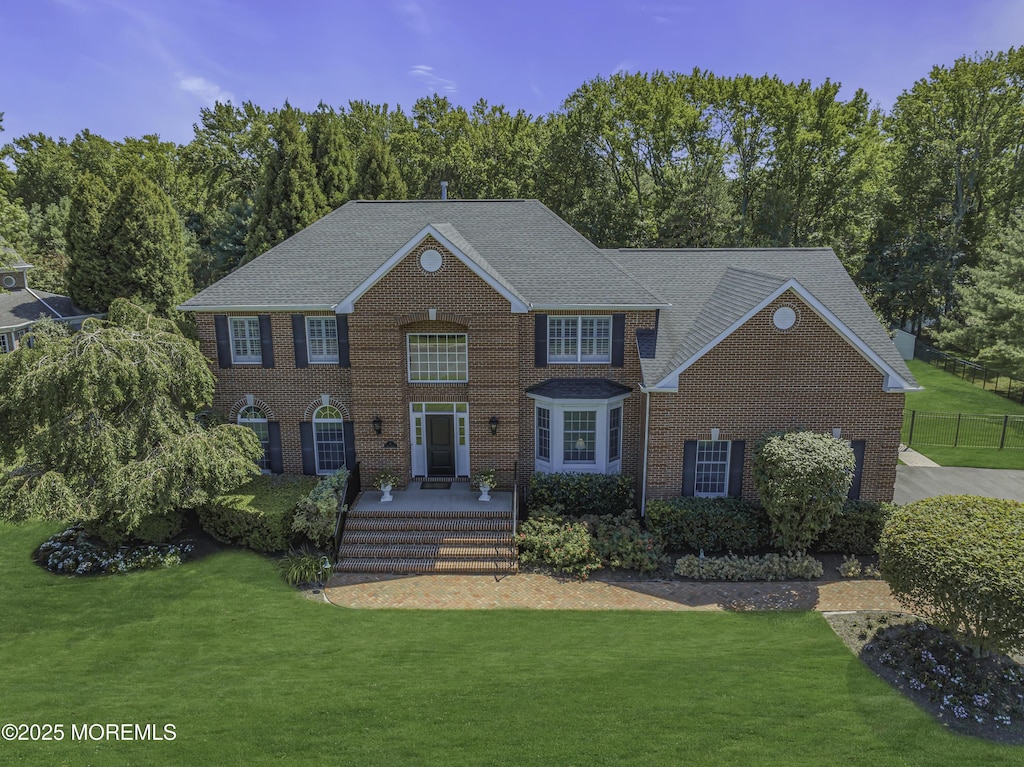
(647, 432)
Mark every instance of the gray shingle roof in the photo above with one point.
(520, 243)
(21, 307)
(710, 289)
(579, 388)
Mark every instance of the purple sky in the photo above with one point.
(131, 67)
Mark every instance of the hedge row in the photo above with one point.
(729, 524)
(581, 494)
(258, 515)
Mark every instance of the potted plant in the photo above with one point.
(384, 482)
(485, 480)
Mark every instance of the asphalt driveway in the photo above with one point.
(916, 482)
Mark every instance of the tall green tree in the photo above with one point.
(377, 176)
(289, 198)
(86, 275)
(140, 252)
(332, 158)
(98, 427)
(990, 323)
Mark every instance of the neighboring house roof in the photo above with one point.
(518, 245)
(713, 291)
(21, 307)
(579, 388)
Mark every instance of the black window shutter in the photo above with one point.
(299, 339)
(220, 324)
(266, 341)
(858, 468)
(540, 340)
(736, 452)
(618, 340)
(689, 466)
(274, 455)
(350, 444)
(343, 356)
(308, 452)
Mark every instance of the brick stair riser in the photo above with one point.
(464, 567)
(413, 537)
(400, 514)
(426, 552)
(427, 525)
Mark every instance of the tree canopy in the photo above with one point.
(99, 427)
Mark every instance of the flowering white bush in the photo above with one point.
(71, 553)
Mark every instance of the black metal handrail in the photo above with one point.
(349, 491)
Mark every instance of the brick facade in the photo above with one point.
(761, 379)
(757, 379)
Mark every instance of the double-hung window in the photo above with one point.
(322, 339)
(543, 433)
(579, 339)
(712, 474)
(3, 344)
(437, 358)
(255, 419)
(245, 340)
(615, 434)
(579, 436)
(328, 439)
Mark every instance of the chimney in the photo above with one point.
(444, 190)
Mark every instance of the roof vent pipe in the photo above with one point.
(444, 190)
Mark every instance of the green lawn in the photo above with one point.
(248, 672)
(947, 393)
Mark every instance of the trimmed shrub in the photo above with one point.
(958, 562)
(770, 567)
(257, 515)
(711, 524)
(802, 479)
(581, 494)
(564, 546)
(621, 543)
(316, 515)
(856, 529)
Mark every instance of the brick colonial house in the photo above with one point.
(439, 338)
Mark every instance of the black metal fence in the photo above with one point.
(1003, 432)
(353, 486)
(995, 381)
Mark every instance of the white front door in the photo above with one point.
(438, 429)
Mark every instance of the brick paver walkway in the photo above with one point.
(543, 592)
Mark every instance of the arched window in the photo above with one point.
(256, 419)
(328, 439)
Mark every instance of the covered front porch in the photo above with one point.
(458, 496)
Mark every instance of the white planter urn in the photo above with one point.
(485, 492)
(385, 493)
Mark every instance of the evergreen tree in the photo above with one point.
(377, 176)
(289, 198)
(991, 329)
(331, 156)
(142, 239)
(87, 267)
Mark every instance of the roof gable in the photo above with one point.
(447, 236)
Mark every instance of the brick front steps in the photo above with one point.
(395, 541)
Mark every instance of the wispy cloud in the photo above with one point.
(415, 17)
(206, 91)
(432, 80)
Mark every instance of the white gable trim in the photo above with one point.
(892, 381)
(347, 304)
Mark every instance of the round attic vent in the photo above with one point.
(430, 260)
(9, 281)
(784, 318)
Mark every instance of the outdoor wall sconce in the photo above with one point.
(493, 423)
(377, 424)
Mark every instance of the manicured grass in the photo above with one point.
(947, 393)
(251, 673)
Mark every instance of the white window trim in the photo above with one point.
(557, 409)
(408, 360)
(247, 422)
(417, 434)
(323, 359)
(728, 464)
(579, 358)
(237, 359)
(316, 442)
